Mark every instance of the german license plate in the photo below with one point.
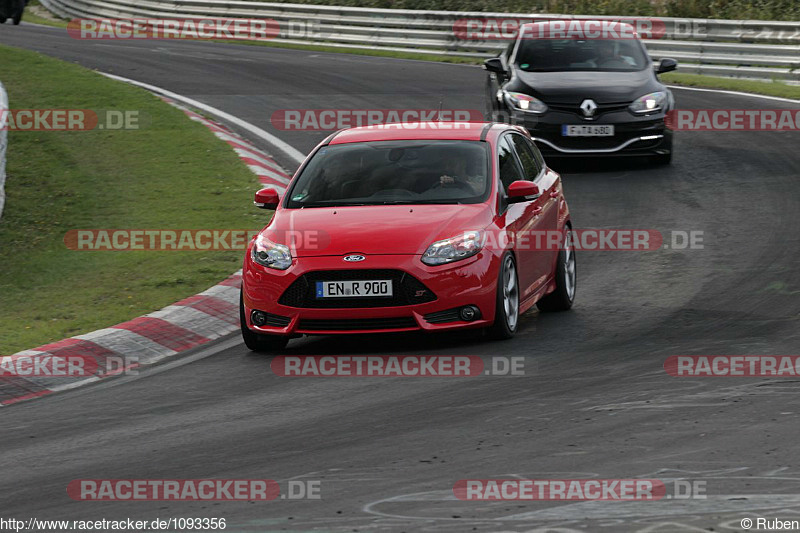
(584, 130)
(354, 289)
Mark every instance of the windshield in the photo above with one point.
(549, 55)
(394, 172)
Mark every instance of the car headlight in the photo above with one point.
(454, 249)
(270, 254)
(524, 102)
(649, 103)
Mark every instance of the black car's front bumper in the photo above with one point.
(11, 8)
(633, 136)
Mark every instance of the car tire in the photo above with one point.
(256, 341)
(17, 19)
(562, 298)
(506, 314)
(2, 20)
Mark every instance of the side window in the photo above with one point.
(527, 155)
(507, 163)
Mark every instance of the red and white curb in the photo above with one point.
(147, 339)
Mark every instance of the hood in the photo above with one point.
(373, 230)
(574, 87)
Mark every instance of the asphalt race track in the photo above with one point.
(595, 400)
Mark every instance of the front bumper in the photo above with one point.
(633, 136)
(468, 282)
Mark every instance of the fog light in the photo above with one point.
(469, 313)
(259, 318)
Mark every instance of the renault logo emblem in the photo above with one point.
(588, 107)
(354, 258)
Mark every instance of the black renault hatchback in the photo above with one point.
(594, 92)
(12, 9)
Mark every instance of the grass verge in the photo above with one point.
(171, 173)
(775, 88)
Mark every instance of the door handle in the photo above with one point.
(537, 211)
(555, 193)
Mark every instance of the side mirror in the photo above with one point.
(522, 191)
(494, 65)
(267, 199)
(667, 64)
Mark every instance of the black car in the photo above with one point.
(583, 96)
(12, 9)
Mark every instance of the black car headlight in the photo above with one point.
(524, 102)
(649, 103)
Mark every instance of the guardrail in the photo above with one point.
(732, 48)
(3, 144)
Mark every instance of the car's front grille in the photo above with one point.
(351, 324)
(441, 317)
(601, 108)
(406, 289)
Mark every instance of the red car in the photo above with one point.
(406, 227)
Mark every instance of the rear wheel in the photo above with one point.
(17, 19)
(2, 20)
(562, 298)
(506, 314)
(256, 341)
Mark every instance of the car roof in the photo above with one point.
(461, 131)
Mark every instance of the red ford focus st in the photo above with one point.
(407, 227)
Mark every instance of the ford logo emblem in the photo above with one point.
(354, 258)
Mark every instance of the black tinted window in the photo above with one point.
(530, 164)
(570, 54)
(509, 168)
(394, 172)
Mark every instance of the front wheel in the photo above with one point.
(563, 297)
(256, 341)
(506, 314)
(17, 19)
